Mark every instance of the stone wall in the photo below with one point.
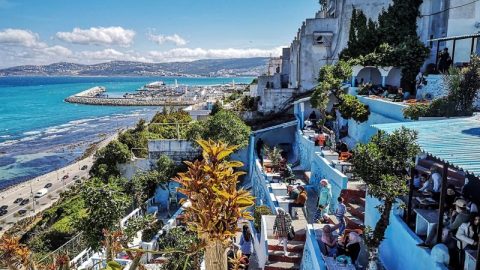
(125, 101)
(272, 100)
(177, 150)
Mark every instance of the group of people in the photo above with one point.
(461, 219)
(344, 242)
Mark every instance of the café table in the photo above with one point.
(426, 221)
(279, 189)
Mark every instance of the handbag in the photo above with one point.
(291, 233)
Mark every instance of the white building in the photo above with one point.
(320, 40)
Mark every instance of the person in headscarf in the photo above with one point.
(281, 227)
(324, 201)
(329, 240)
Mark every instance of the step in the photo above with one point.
(353, 222)
(277, 256)
(292, 246)
(282, 266)
(356, 210)
(302, 237)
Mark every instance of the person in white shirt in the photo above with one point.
(433, 184)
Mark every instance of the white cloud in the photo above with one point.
(58, 51)
(161, 39)
(99, 36)
(109, 55)
(187, 54)
(21, 37)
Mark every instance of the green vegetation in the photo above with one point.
(105, 205)
(258, 212)
(393, 41)
(463, 86)
(382, 164)
(180, 239)
(351, 107)
(107, 158)
(330, 81)
(164, 125)
(224, 126)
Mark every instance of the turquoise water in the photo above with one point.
(39, 132)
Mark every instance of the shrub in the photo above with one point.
(415, 111)
(258, 212)
(351, 107)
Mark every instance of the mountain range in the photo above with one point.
(209, 67)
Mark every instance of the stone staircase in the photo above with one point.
(276, 259)
(355, 203)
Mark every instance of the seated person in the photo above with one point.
(299, 201)
(452, 223)
(433, 184)
(342, 147)
(287, 174)
(468, 233)
(417, 180)
(350, 246)
(459, 216)
(329, 240)
(293, 192)
(450, 198)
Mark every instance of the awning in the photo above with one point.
(456, 141)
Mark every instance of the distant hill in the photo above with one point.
(210, 67)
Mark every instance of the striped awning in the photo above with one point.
(456, 141)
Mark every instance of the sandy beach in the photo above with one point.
(59, 179)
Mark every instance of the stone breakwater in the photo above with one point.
(91, 97)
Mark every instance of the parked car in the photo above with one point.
(3, 207)
(1, 229)
(78, 181)
(76, 177)
(84, 167)
(49, 185)
(25, 201)
(41, 193)
(22, 212)
(65, 177)
(18, 200)
(3, 212)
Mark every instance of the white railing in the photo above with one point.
(82, 258)
(134, 214)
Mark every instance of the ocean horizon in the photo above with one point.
(39, 132)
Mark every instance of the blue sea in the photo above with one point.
(39, 132)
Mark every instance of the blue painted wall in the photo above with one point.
(399, 250)
(321, 169)
(381, 112)
(312, 257)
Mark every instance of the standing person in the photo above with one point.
(259, 149)
(281, 227)
(444, 61)
(246, 242)
(340, 214)
(299, 201)
(324, 200)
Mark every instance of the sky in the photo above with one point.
(93, 31)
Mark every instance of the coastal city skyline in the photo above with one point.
(148, 31)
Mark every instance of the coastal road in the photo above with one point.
(27, 190)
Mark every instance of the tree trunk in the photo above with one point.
(379, 234)
(215, 256)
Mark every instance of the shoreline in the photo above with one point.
(83, 159)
